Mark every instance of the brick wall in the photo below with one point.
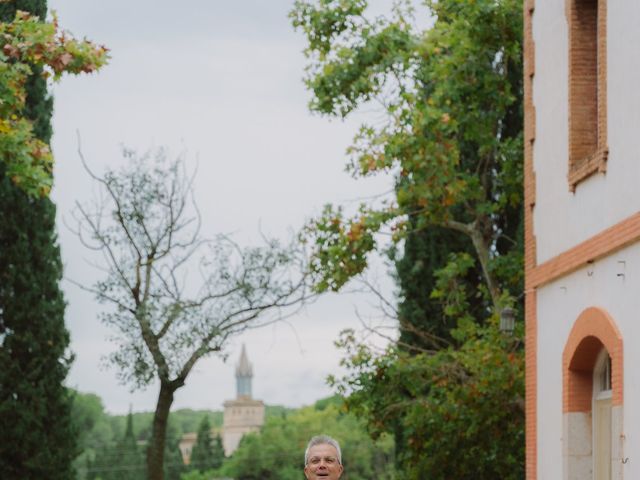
(588, 151)
(530, 245)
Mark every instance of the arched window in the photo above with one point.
(602, 375)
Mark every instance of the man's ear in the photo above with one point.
(306, 471)
(341, 470)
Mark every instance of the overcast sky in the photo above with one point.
(223, 81)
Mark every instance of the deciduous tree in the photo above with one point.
(448, 128)
(449, 125)
(175, 296)
(460, 409)
(277, 452)
(32, 50)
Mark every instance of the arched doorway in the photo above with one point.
(592, 398)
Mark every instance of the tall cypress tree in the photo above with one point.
(422, 318)
(202, 456)
(218, 452)
(119, 461)
(35, 407)
(423, 323)
(173, 463)
(129, 459)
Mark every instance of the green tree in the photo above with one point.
(218, 451)
(130, 458)
(120, 461)
(149, 232)
(39, 438)
(203, 455)
(174, 466)
(38, 112)
(449, 127)
(461, 410)
(196, 475)
(423, 321)
(277, 452)
(87, 412)
(30, 51)
(92, 428)
(35, 407)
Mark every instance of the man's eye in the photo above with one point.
(315, 460)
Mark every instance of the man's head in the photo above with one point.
(322, 459)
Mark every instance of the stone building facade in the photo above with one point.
(244, 414)
(241, 416)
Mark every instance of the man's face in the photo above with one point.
(323, 463)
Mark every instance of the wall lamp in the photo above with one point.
(507, 320)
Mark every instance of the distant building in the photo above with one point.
(242, 415)
(186, 444)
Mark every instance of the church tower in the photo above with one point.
(244, 414)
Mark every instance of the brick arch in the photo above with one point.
(593, 329)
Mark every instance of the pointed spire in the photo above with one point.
(244, 373)
(129, 432)
(244, 368)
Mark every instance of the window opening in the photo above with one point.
(587, 89)
(602, 420)
(602, 387)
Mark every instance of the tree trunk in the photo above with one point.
(482, 245)
(155, 451)
(483, 248)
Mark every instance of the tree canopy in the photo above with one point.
(277, 452)
(207, 453)
(28, 45)
(448, 129)
(148, 230)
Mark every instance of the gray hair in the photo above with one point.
(322, 440)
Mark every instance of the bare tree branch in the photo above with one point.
(147, 226)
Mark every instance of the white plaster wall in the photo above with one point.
(615, 287)
(561, 218)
